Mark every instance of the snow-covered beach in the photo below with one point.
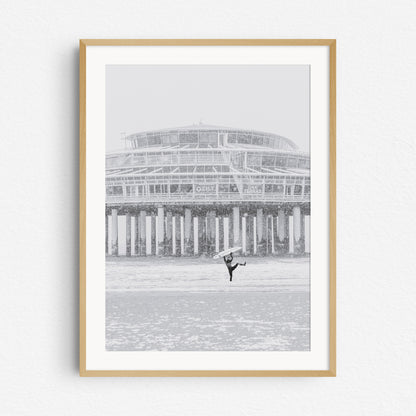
(189, 304)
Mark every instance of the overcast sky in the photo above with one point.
(270, 98)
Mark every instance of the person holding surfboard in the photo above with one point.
(228, 259)
(227, 255)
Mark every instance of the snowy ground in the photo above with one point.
(184, 304)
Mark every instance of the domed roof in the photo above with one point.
(234, 135)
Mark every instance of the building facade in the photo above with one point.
(201, 189)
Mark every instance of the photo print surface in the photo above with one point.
(207, 212)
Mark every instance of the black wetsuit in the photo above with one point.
(228, 262)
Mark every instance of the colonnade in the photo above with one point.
(192, 232)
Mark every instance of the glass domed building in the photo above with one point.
(200, 189)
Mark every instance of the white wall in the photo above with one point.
(39, 208)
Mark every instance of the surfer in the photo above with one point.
(228, 262)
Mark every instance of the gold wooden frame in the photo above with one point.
(331, 43)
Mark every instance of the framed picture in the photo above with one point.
(207, 207)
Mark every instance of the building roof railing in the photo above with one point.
(199, 134)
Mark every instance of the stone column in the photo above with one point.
(122, 240)
(244, 233)
(204, 236)
(276, 234)
(137, 235)
(173, 252)
(148, 235)
(254, 234)
(169, 233)
(177, 235)
(291, 236)
(128, 234)
(226, 233)
(260, 225)
(133, 235)
(297, 230)
(210, 232)
(196, 236)
(271, 234)
(281, 231)
(236, 227)
(153, 233)
(249, 234)
(188, 230)
(114, 232)
(160, 235)
(217, 234)
(182, 235)
(267, 235)
(142, 242)
(221, 234)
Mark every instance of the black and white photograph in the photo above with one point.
(207, 208)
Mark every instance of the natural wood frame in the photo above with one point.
(331, 43)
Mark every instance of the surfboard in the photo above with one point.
(227, 252)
